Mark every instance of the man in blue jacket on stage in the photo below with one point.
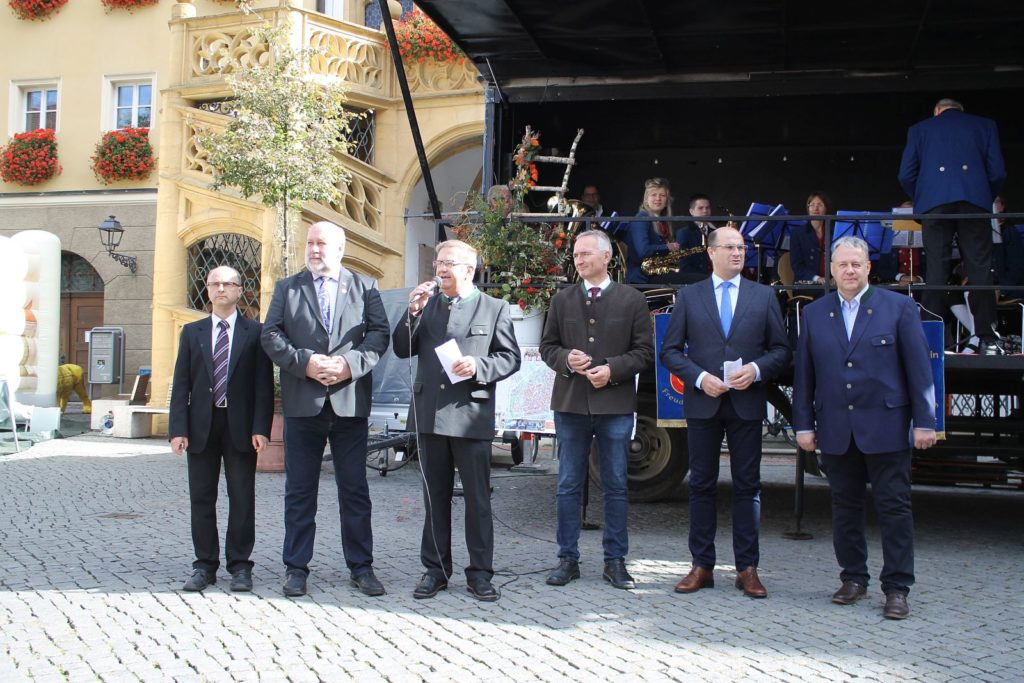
(952, 165)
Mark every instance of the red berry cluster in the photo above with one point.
(30, 158)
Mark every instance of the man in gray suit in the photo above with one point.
(326, 329)
(598, 336)
(722, 320)
(454, 418)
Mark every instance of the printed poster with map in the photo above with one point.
(523, 401)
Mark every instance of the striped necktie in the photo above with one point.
(220, 366)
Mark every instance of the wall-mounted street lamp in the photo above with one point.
(110, 235)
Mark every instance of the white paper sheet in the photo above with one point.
(729, 367)
(448, 353)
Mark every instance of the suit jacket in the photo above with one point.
(869, 388)
(691, 237)
(293, 331)
(952, 157)
(483, 329)
(250, 390)
(756, 335)
(805, 253)
(615, 329)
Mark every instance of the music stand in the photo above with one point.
(763, 235)
(878, 236)
(907, 234)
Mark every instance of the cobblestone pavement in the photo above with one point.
(96, 545)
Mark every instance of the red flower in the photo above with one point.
(30, 158)
(123, 154)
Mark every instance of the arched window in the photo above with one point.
(78, 275)
(225, 249)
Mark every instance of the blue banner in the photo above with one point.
(933, 331)
(670, 387)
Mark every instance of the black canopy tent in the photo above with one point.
(745, 100)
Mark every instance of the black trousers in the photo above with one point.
(203, 484)
(439, 455)
(974, 238)
(889, 476)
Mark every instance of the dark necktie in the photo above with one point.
(595, 292)
(725, 312)
(220, 366)
(325, 302)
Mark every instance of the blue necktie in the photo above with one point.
(725, 312)
(325, 302)
(220, 366)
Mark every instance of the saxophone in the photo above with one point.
(668, 262)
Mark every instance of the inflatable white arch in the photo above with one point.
(30, 315)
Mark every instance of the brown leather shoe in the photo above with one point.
(896, 606)
(751, 585)
(698, 578)
(849, 593)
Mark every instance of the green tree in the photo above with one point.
(287, 130)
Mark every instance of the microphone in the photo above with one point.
(436, 281)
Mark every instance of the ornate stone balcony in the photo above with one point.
(351, 52)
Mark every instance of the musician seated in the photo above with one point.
(656, 240)
(808, 253)
(695, 264)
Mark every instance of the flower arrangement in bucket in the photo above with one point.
(421, 40)
(35, 9)
(526, 261)
(30, 158)
(123, 154)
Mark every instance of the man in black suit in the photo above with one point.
(222, 404)
(454, 418)
(725, 319)
(326, 328)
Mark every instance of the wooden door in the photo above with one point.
(79, 312)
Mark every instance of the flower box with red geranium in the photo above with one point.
(35, 9)
(30, 158)
(421, 40)
(127, 4)
(123, 154)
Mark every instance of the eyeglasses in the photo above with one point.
(584, 254)
(447, 264)
(731, 247)
(215, 285)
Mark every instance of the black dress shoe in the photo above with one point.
(200, 579)
(241, 580)
(482, 589)
(368, 584)
(566, 571)
(429, 586)
(896, 606)
(615, 573)
(295, 583)
(849, 593)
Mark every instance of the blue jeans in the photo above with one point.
(575, 433)
(304, 442)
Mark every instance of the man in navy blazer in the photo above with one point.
(326, 328)
(952, 164)
(862, 381)
(229, 423)
(725, 319)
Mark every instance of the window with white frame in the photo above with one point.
(38, 106)
(131, 103)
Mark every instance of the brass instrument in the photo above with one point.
(662, 264)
